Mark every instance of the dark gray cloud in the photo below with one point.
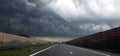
(53, 18)
(32, 18)
(92, 16)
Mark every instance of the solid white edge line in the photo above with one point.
(41, 50)
(94, 51)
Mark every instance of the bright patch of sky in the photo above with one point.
(77, 9)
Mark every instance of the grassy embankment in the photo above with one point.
(22, 51)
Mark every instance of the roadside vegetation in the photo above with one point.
(24, 51)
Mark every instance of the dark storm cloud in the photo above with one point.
(89, 15)
(53, 18)
(32, 18)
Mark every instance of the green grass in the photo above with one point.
(22, 51)
(1, 43)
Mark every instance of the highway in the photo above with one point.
(68, 50)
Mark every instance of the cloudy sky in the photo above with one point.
(58, 18)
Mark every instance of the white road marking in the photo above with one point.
(70, 52)
(93, 51)
(41, 51)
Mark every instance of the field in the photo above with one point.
(23, 51)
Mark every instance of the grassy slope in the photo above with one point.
(22, 51)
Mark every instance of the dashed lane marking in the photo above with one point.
(70, 52)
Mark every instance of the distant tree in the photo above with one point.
(24, 35)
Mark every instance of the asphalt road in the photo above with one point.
(68, 50)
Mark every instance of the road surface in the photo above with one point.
(68, 50)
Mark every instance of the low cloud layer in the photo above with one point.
(61, 18)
